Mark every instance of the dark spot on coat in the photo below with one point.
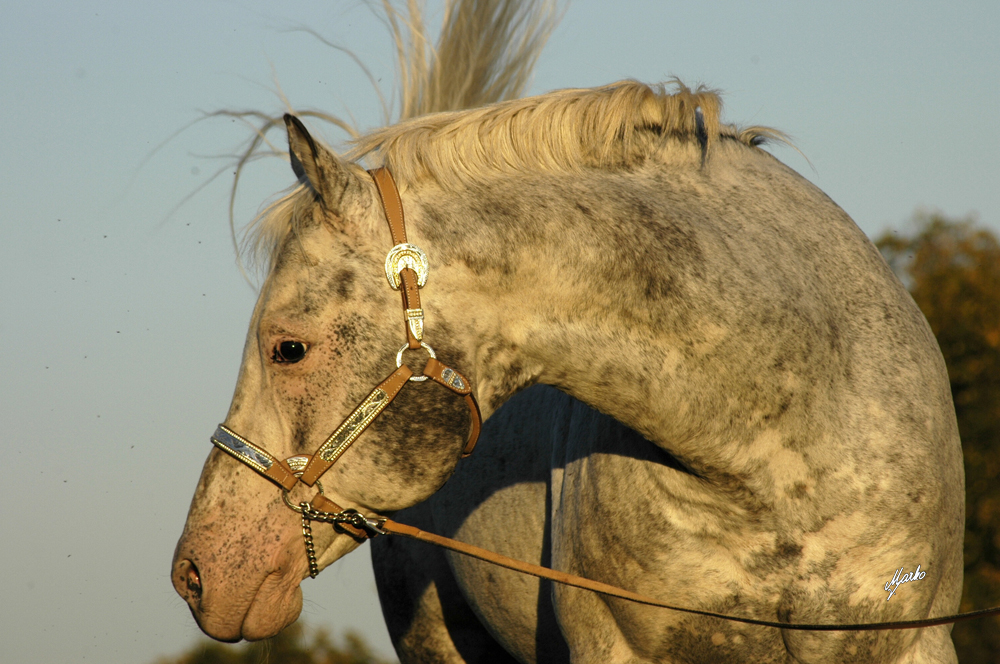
(799, 490)
(343, 284)
(788, 549)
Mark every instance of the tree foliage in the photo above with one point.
(294, 645)
(952, 270)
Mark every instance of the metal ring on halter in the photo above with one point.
(298, 508)
(399, 359)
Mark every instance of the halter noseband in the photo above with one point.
(406, 269)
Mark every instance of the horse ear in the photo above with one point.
(315, 166)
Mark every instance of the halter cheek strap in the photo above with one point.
(406, 265)
(355, 424)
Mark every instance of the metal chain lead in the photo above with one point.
(348, 516)
(309, 513)
(307, 534)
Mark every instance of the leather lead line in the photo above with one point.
(403, 530)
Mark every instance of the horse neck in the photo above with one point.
(572, 282)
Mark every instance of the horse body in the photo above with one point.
(791, 461)
(787, 438)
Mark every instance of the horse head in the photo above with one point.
(325, 329)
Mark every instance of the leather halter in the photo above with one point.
(406, 270)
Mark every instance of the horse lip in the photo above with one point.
(201, 600)
(236, 637)
(232, 628)
(254, 614)
(225, 631)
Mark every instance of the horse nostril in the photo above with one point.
(188, 574)
(193, 582)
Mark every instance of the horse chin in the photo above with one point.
(278, 601)
(276, 606)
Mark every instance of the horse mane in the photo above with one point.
(461, 118)
(610, 127)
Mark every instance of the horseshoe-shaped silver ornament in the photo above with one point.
(404, 256)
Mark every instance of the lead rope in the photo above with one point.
(383, 526)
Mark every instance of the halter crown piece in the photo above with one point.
(406, 270)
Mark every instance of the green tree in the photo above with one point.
(952, 270)
(294, 645)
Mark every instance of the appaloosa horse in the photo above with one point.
(777, 437)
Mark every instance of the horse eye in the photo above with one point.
(289, 352)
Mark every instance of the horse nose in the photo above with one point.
(186, 580)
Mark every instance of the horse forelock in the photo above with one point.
(266, 234)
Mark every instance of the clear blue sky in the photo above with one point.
(121, 331)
